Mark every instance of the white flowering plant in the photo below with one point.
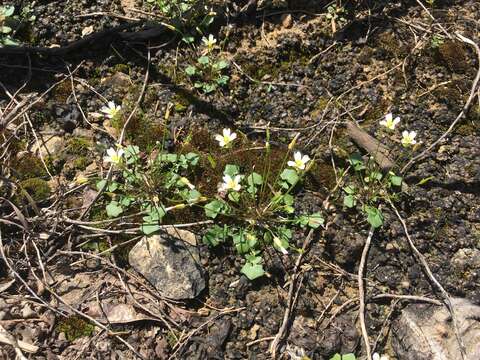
(209, 70)
(371, 185)
(251, 209)
(254, 210)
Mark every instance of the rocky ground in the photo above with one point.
(79, 287)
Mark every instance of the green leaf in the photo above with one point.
(148, 228)
(132, 154)
(315, 220)
(349, 357)
(215, 235)
(223, 80)
(193, 196)
(349, 201)
(253, 180)
(240, 241)
(215, 207)
(208, 88)
(375, 175)
(350, 189)
(234, 196)
(374, 216)
(114, 209)
(192, 158)
(231, 170)
(101, 184)
(252, 271)
(113, 186)
(8, 10)
(204, 60)
(396, 180)
(126, 201)
(337, 356)
(357, 162)
(290, 176)
(191, 70)
(187, 38)
(222, 64)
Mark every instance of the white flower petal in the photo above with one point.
(291, 163)
(389, 117)
(297, 156)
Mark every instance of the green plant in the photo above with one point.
(436, 41)
(336, 15)
(6, 13)
(207, 73)
(251, 210)
(370, 187)
(173, 8)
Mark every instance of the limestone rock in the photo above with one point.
(170, 262)
(425, 332)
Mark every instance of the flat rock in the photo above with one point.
(170, 261)
(425, 332)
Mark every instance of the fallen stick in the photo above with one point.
(371, 145)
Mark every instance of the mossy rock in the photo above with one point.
(75, 327)
(37, 188)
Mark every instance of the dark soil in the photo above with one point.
(292, 75)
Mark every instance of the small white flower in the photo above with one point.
(408, 138)
(110, 110)
(187, 182)
(226, 138)
(389, 122)
(279, 245)
(114, 156)
(230, 183)
(299, 161)
(210, 42)
(377, 356)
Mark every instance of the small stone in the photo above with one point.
(466, 258)
(171, 263)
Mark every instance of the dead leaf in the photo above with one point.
(87, 30)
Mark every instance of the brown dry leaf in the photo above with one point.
(116, 313)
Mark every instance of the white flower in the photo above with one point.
(390, 122)
(377, 356)
(279, 245)
(225, 139)
(187, 182)
(110, 110)
(210, 42)
(114, 156)
(299, 161)
(408, 138)
(230, 183)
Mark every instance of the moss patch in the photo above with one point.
(28, 166)
(454, 55)
(37, 188)
(75, 327)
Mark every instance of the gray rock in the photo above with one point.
(425, 332)
(171, 262)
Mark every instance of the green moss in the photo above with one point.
(81, 163)
(28, 166)
(75, 327)
(142, 130)
(124, 68)
(78, 146)
(37, 188)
